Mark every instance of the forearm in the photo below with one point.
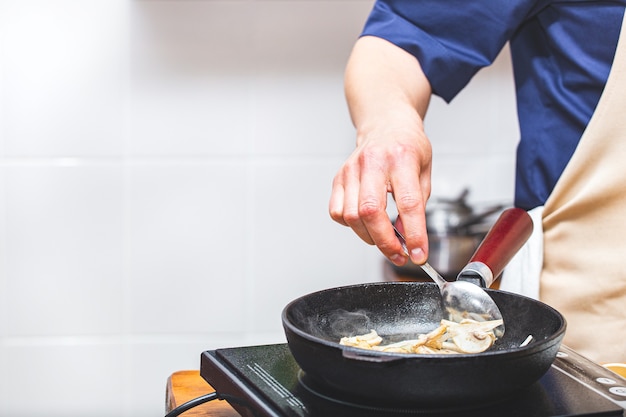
(384, 85)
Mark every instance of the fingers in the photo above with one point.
(344, 206)
(337, 196)
(410, 181)
(374, 186)
(359, 200)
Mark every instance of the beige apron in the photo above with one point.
(584, 224)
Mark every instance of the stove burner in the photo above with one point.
(323, 391)
(328, 394)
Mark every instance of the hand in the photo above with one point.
(387, 94)
(396, 161)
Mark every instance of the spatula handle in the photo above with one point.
(507, 235)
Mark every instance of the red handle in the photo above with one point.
(507, 235)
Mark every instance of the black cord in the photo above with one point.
(192, 403)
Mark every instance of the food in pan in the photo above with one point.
(467, 336)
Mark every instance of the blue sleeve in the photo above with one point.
(452, 39)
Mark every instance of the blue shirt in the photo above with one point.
(561, 52)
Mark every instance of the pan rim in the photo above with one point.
(532, 348)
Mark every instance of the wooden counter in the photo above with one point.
(183, 386)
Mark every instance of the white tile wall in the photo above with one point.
(165, 168)
(64, 253)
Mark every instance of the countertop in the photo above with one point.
(183, 386)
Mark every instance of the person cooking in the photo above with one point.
(569, 66)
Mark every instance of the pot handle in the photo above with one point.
(369, 357)
(507, 235)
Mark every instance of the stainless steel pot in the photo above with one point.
(455, 216)
(448, 254)
(444, 216)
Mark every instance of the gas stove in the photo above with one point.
(265, 381)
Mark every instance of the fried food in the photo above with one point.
(467, 336)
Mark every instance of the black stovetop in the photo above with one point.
(265, 381)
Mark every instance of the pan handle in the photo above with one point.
(507, 235)
(365, 357)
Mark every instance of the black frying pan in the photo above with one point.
(315, 323)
